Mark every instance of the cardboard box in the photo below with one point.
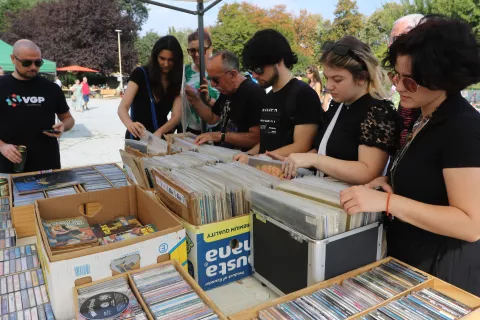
(129, 277)
(136, 171)
(66, 270)
(23, 217)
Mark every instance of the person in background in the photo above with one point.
(2, 73)
(153, 92)
(58, 82)
(29, 105)
(238, 108)
(432, 186)
(315, 81)
(360, 130)
(77, 96)
(292, 114)
(192, 78)
(85, 93)
(408, 115)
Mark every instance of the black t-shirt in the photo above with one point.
(27, 108)
(284, 111)
(367, 121)
(451, 139)
(242, 108)
(141, 107)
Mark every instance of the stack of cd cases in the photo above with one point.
(169, 296)
(23, 292)
(114, 174)
(354, 295)
(111, 299)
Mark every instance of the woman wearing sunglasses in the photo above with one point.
(432, 187)
(359, 132)
(153, 92)
(194, 85)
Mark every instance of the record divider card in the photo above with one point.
(431, 282)
(131, 282)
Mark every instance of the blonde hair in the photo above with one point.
(361, 63)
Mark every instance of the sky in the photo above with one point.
(161, 18)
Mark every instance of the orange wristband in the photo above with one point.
(388, 203)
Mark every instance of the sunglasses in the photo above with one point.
(409, 84)
(218, 79)
(342, 50)
(27, 63)
(257, 70)
(193, 52)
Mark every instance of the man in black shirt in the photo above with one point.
(290, 119)
(28, 105)
(238, 108)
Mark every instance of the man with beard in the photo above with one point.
(290, 120)
(28, 106)
(237, 109)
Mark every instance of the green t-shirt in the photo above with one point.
(192, 78)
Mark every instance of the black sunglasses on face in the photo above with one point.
(257, 70)
(27, 63)
(193, 52)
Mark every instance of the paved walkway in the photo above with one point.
(97, 136)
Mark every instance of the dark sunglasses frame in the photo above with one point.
(257, 70)
(217, 80)
(342, 50)
(409, 84)
(28, 63)
(193, 51)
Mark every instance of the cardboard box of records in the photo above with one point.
(163, 290)
(386, 286)
(22, 207)
(83, 261)
(218, 252)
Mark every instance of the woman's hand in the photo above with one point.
(296, 161)
(136, 129)
(360, 199)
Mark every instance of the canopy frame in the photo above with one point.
(200, 12)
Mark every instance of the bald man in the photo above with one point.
(28, 106)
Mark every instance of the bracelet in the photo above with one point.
(388, 203)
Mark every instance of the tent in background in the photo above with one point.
(7, 65)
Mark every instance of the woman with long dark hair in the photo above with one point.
(153, 92)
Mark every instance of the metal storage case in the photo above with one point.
(286, 260)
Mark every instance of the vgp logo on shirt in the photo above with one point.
(15, 99)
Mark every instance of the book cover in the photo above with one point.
(134, 233)
(68, 232)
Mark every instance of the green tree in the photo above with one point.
(182, 37)
(10, 8)
(136, 10)
(144, 46)
(347, 21)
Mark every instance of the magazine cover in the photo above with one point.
(68, 232)
(135, 232)
(115, 226)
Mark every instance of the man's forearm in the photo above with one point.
(255, 150)
(242, 139)
(68, 123)
(205, 112)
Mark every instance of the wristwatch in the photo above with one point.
(222, 137)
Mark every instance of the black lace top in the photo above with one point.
(367, 121)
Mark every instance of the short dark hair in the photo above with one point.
(194, 36)
(268, 47)
(229, 60)
(444, 53)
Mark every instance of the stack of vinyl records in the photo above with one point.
(327, 190)
(225, 155)
(114, 174)
(274, 167)
(424, 304)
(112, 299)
(169, 297)
(155, 145)
(182, 160)
(23, 292)
(312, 219)
(91, 179)
(353, 296)
(220, 191)
(185, 142)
